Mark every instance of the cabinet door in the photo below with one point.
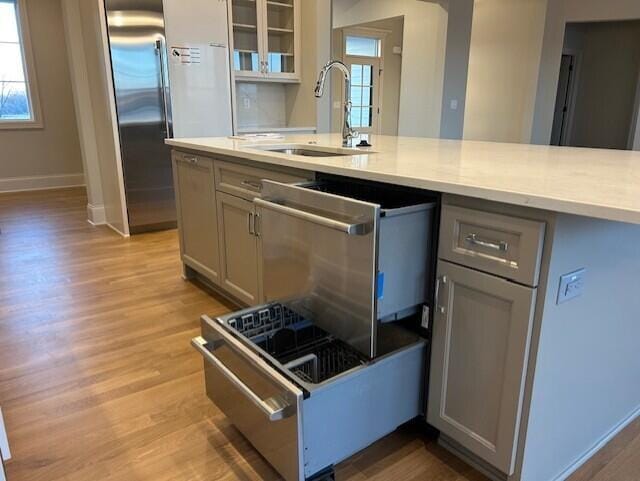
(282, 39)
(481, 337)
(239, 248)
(246, 18)
(197, 220)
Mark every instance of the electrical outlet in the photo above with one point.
(247, 103)
(571, 286)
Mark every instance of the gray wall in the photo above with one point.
(559, 12)
(609, 64)
(54, 149)
(456, 68)
(586, 380)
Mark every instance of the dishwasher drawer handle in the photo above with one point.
(474, 239)
(349, 229)
(274, 409)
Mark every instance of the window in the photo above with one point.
(16, 101)
(362, 46)
(362, 96)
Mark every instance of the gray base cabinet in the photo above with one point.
(217, 221)
(238, 248)
(197, 216)
(481, 337)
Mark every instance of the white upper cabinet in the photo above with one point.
(266, 40)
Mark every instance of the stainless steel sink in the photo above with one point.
(308, 152)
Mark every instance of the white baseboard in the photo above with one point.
(43, 182)
(96, 215)
(4, 440)
(599, 445)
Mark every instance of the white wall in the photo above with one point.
(103, 111)
(504, 59)
(423, 58)
(95, 111)
(558, 14)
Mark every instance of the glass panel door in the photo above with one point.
(281, 36)
(246, 49)
(364, 93)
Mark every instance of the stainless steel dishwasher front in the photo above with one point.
(300, 424)
(346, 254)
(319, 373)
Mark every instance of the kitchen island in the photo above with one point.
(534, 361)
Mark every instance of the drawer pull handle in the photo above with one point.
(439, 280)
(251, 222)
(252, 184)
(191, 160)
(500, 246)
(362, 228)
(275, 409)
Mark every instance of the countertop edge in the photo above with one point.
(552, 204)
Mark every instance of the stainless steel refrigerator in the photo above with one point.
(166, 57)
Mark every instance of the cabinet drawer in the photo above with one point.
(205, 163)
(506, 246)
(246, 181)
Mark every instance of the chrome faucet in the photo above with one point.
(347, 132)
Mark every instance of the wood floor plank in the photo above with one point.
(98, 380)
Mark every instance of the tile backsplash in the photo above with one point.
(260, 105)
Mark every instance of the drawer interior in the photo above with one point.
(388, 197)
(303, 349)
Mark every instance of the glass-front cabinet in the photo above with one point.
(266, 39)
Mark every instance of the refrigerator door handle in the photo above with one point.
(160, 47)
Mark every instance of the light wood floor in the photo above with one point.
(98, 381)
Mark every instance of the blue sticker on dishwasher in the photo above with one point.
(380, 286)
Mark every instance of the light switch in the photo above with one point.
(571, 286)
(454, 104)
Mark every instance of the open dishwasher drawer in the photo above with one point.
(305, 399)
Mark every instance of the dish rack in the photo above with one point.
(307, 351)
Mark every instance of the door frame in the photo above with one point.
(572, 95)
(376, 100)
(380, 35)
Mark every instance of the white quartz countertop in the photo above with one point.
(592, 182)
